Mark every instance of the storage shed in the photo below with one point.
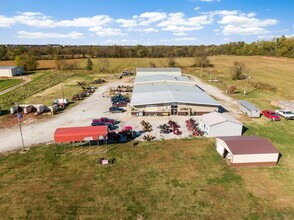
(216, 124)
(87, 133)
(156, 71)
(247, 151)
(249, 109)
(10, 71)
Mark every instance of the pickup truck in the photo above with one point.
(287, 114)
(104, 120)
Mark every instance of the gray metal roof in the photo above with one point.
(7, 67)
(169, 93)
(214, 118)
(159, 78)
(158, 69)
(248, 105)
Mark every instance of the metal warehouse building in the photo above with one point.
(157, 71)
(167, 94)
(10, 71)
(216, 124)
(242, 151)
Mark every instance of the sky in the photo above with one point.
(144, 22)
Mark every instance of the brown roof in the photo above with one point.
(249, 145)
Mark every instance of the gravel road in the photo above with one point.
(93, 107)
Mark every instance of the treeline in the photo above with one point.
(280, 47)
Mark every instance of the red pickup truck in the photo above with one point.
(104, 120)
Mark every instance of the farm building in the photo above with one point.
(249, 109)
(216, 124)
(158, 71)
(161, 78)
(10, 71)
(165, 92)
(241, 151)
(171, 99)
(87, 133)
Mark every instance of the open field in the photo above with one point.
(6, 83)
(167, 179)
(179, 179)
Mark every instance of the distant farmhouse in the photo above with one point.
(164, 91)
(10, 71)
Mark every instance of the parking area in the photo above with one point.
(95, 106)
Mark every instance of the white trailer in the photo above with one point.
(249, 109)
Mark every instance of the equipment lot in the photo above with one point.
(95, 106)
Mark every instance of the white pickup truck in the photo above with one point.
(287, 114)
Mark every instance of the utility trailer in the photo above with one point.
(249, 109)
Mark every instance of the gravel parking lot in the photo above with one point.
(92, 107)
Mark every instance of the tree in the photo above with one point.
(171, 62)
(238, 70)
(201, 59)
(28, 62)
(3, 52)
(89, 64)
(104, 65)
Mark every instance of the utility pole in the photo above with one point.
(201, 68)
(19, 124)
(247, 80)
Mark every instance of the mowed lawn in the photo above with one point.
(178, 179)
(6, 83)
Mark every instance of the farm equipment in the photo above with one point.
(105, 161)
(148, 137)
(147, 127)
(98, 81)
(165, 129)
(127, 132)
(193, 127)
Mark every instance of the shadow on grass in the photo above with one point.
(244, 129)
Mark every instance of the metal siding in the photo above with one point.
(256, 158)
(225, 129)
(5, 73)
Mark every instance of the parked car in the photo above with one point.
(271, 115)
(115, 109)
(287, 114)
(105, 120)
(110, 126)
(119, 104)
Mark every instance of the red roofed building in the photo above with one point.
(88, 133)
(247, 151)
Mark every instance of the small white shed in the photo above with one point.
(216, 124)
(10, 71)
(158, 71)
(240, 151)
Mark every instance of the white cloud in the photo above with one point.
(244, 25)
(106, 32)
(149, 30)
(98, 20)
(180, 34)
(196, 8)
(178, 23)
(39, 35)
(236, 22)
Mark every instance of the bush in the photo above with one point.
(263, 86)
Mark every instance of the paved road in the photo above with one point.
(26, 80)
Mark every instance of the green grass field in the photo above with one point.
(6, 83)
(177, 179)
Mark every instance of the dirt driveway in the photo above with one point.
(93, 107)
